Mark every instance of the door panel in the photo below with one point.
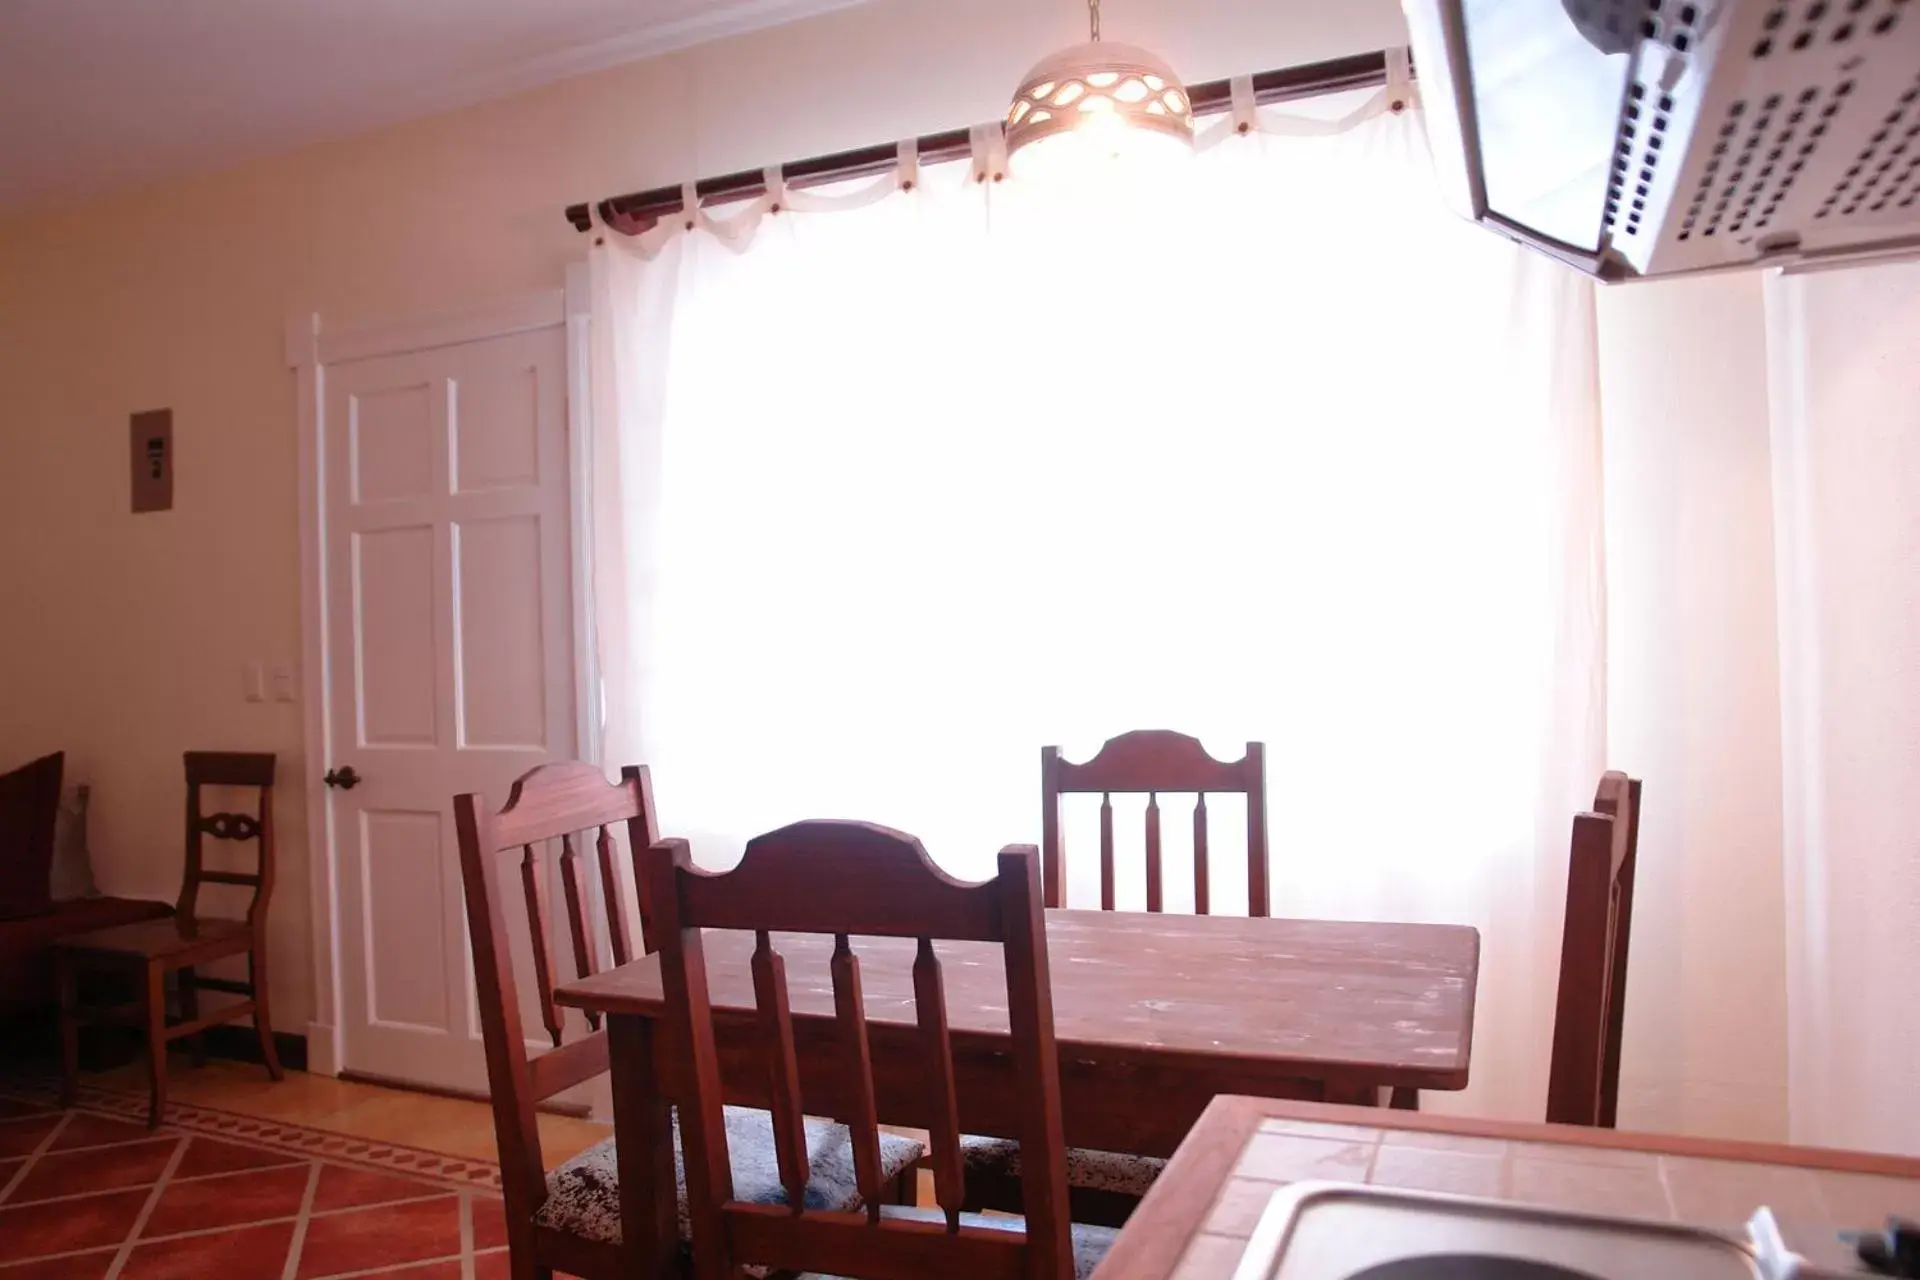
(501, 651)
(395, 637)
(405, 906)
(450, 615)
(391, 434)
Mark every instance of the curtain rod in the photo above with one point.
(639, 211)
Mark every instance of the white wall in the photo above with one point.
(1847, 473)
(1693, 679)
(125, 636)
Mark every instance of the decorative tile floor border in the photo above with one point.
(293, 1139)
(90, 1193)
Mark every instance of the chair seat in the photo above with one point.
(1090, 1244)
(152, 939)
(1091, 1170)
(583, 1195)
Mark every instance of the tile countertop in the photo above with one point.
(1195, 1223)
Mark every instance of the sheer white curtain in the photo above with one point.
(886, 499)
(1846, 467)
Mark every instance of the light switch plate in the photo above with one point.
(283, 687)
(150, 436)
(253, 682)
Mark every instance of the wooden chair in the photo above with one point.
(1106, 1184)
(1153, 762)
(567, 1218)
(1583, 1085)
(178, 943)
(848, 879)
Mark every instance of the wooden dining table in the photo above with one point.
(1155, 1015)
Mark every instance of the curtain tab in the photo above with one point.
(776, 180)
(1400, 89)
(1246, 108)
(909, 164)
(989, 152)
(690, 204)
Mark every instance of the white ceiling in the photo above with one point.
(99, 95)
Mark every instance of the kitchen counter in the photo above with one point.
(1195, 1223)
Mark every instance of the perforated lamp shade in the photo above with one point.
(1099, 97)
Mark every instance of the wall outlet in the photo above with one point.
(283, 686)
(253, 682)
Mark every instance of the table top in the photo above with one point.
(1195, 1222)
(1393, 1001)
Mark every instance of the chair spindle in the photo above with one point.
(1201, 903)
(579, 920)
(1155, 898)
(1106, 852)
(776, 1025)
(930, 1000)
(863, 1125)
(533, 883)
(610, 893)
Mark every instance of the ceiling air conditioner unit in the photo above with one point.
(1644, 138)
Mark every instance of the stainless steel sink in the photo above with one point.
(1335, 1231)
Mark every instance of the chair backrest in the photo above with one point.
(29, 810)
(1154, 761)
(229, 769)
(569, 803)
(849, 879)
(1583, 1085)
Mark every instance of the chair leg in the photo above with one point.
(262, 1020)
(1405, 1100)
(69, 987)
(190, 1012)
(156, 1044)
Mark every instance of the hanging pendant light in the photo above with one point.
(1098, 101)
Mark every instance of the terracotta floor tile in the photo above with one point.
(85, 1266)
(486, 1266)
(63, 1226)
(256, 1253)
(98, 1131)
(230, 1200)
(10, 1108)
(22, 1137)
(388, 1236)
(496, 1266)
(446, 1269)
(137, 1164)
(7, 1169)
(344, 1188)
(207, 1155)
(489, 1223)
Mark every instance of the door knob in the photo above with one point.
(345, 779)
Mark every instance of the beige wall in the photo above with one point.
(125, 636)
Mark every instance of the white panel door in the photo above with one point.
(451, 668)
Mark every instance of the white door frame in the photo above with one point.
(309, 351)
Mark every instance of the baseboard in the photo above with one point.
(35, 1037)
(577, 1110)
(240, 1044)
(323, 1050)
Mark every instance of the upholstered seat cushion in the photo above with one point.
(1090, 1244)
(1093, 1170)
(583, 1195)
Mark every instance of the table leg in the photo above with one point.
(643, 1136)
